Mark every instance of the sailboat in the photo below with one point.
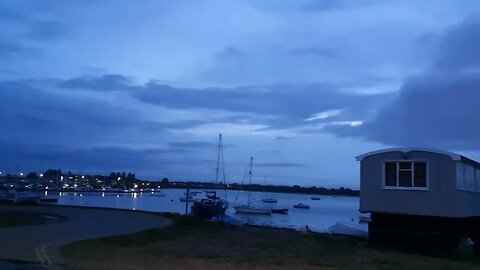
(213, 205)
(250, 209)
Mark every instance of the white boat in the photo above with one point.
(248, 208)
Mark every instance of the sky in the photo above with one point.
(303, 86)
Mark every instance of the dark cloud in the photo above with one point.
(290, 104)
(458, 50)
(438, 108)
(9, 14)
(22, 156)
(48, 30)
(280, 165)
(193, 144)
(110, 82)
(277, 106)
(37, 116)
(10, 48)
(283, 138)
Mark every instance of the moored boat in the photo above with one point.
(301, 206)
(248, 208)
(283, 211)
(213, 205)
(208, 208)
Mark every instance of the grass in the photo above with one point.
(190, 242)
(21, 218)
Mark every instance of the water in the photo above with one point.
(321, 215)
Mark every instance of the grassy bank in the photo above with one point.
(194, 243)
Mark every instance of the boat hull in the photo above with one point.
(282, 211)
(209, 209)
(301, 206)
(252, 210)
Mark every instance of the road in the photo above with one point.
(40, 243)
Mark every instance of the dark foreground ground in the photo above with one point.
(34, 233)
(193, 244)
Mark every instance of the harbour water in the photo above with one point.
(322, 214)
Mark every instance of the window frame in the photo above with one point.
(412, 161)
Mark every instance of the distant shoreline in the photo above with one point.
(268, 188)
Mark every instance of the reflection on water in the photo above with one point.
(321, 215)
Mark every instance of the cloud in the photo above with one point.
(10, 48)
(280, 105)
(8, 14)
(48, 30)
(109, 82)
(438, 108)
(39, 116)
(193, 144)
(280, 164)
(78, 159)
(276, 106)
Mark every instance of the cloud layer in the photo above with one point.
(439, 107)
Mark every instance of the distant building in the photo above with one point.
(422, 192)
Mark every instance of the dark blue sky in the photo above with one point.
(303, 86)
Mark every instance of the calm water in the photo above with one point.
(321, 215)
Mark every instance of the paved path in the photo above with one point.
(40, 243)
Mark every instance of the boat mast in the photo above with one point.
(221, 159)
(218, 156)
(250, 180)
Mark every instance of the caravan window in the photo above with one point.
(405, 175)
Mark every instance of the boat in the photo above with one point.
(301, 205)
(213, 206)
(364, 218)
(248, 208)
(209, 208)
(315, 198)
(269, 200)
(211, 196)
(283, 211)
